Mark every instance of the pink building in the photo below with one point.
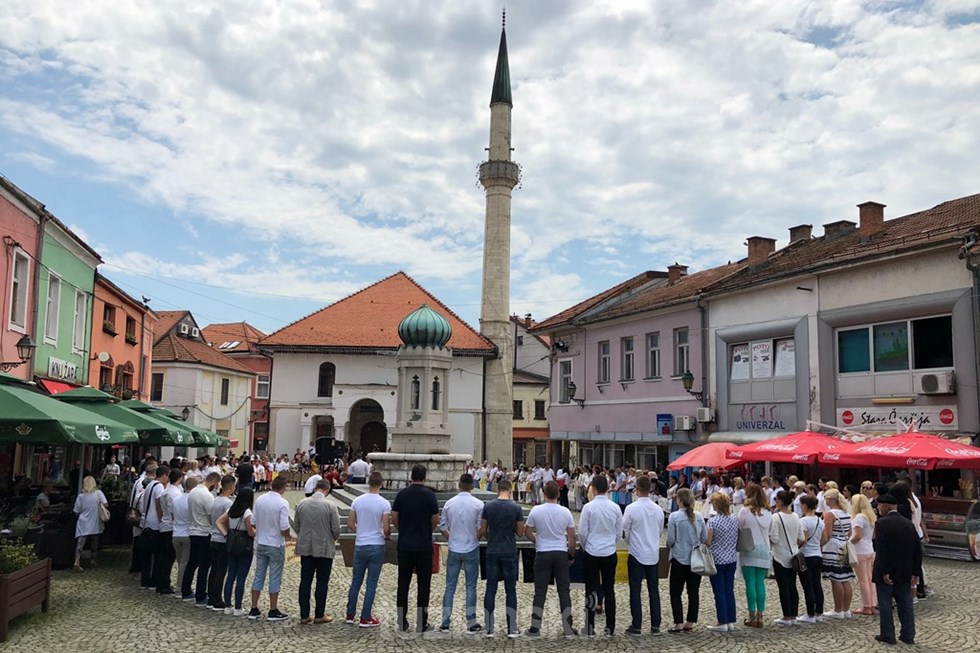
(20, 217)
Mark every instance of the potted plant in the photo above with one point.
(25, 582)
(109, 327)
(131, 337)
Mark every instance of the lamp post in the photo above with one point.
(25, 347)
(688, 380)
(571, 387)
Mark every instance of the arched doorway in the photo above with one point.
(366, 426)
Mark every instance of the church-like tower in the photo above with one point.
(499, 175)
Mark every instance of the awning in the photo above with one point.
(232, 443)
(54, 387)
(528, 433)
(745, 437)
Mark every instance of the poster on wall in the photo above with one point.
(740, 363)
(761, 360)
(785, 357)
(665, 424)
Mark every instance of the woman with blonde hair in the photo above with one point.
(862, 530)
(89, 526)
(755, 518)
(685, 530)
(722, 538)
(837, 531)
(738, 494)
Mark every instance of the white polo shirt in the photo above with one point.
(270, 516)
(600, 526)
(643, 524)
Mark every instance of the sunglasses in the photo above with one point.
(865, 487)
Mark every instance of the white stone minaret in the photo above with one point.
(499, 175)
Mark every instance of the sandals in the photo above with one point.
(675, 629)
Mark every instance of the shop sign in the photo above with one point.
(665, 422)
(62, 370)
(759, 417)
(888, 418)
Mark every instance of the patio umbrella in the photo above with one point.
(28, 417)
(911, 450)
(713, 454)
(803, 447)
(202, 436)
(140, 407)
(151, 431)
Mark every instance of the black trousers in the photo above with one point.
(812, 589)
(198, 561)
(681, 578)
(216, 574)
(420, 564)
(789, 595)
(637, 574)
(149, 545)
(600, 580)
(319, 568)
(136, 560)
(163, 562)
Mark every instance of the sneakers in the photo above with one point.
(229, 610)
(533, 632)
(847, 614)
(187, 599)
(202, 604)
(427, 628)
(239, 612)
(731, 628)
(571, 634)
(254, 614)
(830, 614)
(444, 629)
(513, 634)
(219, 606)
(720, 628)
(475, 629)
(805, 619)
(369, 623)
(489, 634)
(350, 620)
(784, 622)
(276, 615)
(636, 631)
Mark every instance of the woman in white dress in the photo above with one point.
(89, 525)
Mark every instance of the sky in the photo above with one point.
(257, 160)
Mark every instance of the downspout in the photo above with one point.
(705, 399)
(42, 220)
(974, 267)
(142, 385)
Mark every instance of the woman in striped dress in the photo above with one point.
(837, 530)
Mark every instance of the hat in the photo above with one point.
(889, 499)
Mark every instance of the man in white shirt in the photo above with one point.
(167, 555)
(152, 510)
(370, 520)
(135, 497)
(270, 516)
(358, 471)
(459, 524)
(199, 560)
(643, 523)
(218, 544)
(599, 528)
(182, 528)
(310, 485)
(552, 530)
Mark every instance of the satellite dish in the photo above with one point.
(104, 356)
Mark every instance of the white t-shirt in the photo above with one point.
(547, 475)
(270, 516)
(358, 469)
(864, 546)
(219, 507)
(199, 502)
(167, 503)
(151, 516)
(643, 523)
(369, 510)
(311, 483)
(550, 523)
(182, 518)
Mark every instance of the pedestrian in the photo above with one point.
(459, 524)
(271, 519)
(245, 472)
(501, 523)
(370, 520)
(898, 557)
(89, 526)
(863, 521)
(152, 512)
(358, 471)
(238, 518)
(181, 538)
(810, 577)
(723, 539)
(415, 513)
(317, 525)
(199, 561)
(685, 530)
(135, 506)
(219, 547)
(165, 545)
(643, 523)
(756, 519)
(836, 569)
(310, 486)
(551, 529)
(786, 536)
(599, 529)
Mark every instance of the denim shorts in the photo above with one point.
(271, 558)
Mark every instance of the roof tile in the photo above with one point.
(243, 333)
(174, 349)
(578, 309)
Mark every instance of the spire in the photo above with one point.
(501, 78)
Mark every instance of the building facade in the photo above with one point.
(122, 342)
(532, 367)
(20, 219)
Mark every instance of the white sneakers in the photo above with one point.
(805, 619)
(830, 614)
(720, 628)
(784, 622)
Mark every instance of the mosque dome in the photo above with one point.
(423, 327)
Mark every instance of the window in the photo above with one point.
(130, 330)
(932, 342)
(520, 341)
(225, 385)
(109, 319)
(436, 391)
(653, 355)
(682, 351)
(80, 320)
(19, 285)
(539, 409)
(626, 364)
(518, 409)
(853, 351)
(328, 373)
(564, 378)
(105, 379)
(156, 386)
(51, 309)
(416, 398)
(603, 368)
(762, 360)
(891, 343)
(921, 344)
(262, 386)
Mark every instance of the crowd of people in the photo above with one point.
(208, 521)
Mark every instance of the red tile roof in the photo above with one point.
(243, 333)
(369, 319)
(582, 307)
(529, 378)
(167, 321)
(174, 349)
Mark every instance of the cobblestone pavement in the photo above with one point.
(103, 609)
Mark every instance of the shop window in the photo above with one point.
(891, 343)
(932, 342)
(328, 373)
(853, 351)
(602, 374)
(925, 343)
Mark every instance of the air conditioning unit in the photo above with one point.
(935, 383)
(706, 414)
(683, 423)
(184, 329)
(195, 332)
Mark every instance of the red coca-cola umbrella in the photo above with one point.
(713, 454)
(911, 450)
(803, 447)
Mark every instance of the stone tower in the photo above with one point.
(499, 175)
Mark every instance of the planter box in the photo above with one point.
(22, 590)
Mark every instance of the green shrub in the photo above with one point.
(19, 525)
(15, 555)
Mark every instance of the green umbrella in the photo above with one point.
(202, 436)
(139, 406)
(28, 417)
(151, 431)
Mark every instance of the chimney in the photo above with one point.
(839, 228)
(800, 232)
(760, 248)
(528, 322)
(675, 272)
(872, 215)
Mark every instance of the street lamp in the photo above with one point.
(25, 347)
(688, 380)
(571, 387)
(186, 413)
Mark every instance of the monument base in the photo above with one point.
(444, 469)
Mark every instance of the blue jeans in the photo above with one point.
(501, 567)
(271, 558)
(902, 593)
(238, 567)
(369, 558)
(723, 585)
(470, 564)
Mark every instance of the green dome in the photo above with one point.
(423, 327)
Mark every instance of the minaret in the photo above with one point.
(499, 175)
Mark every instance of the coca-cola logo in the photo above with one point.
(847, 417)
(801, 457)
(735, 454)
(779, 447)
(966, 453)
(831, 456)
(893, 450)
(946, 416)
(917, 462)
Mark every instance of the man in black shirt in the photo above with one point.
(245, 473)
(502, 523)
(415, 514)
(898, 559)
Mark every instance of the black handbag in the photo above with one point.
(798, 561)
(239, 542)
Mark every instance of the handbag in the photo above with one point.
(798, 562)
(238, 542)
(745, 543)
(850, 554)
(104, 515)
(703, 561)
